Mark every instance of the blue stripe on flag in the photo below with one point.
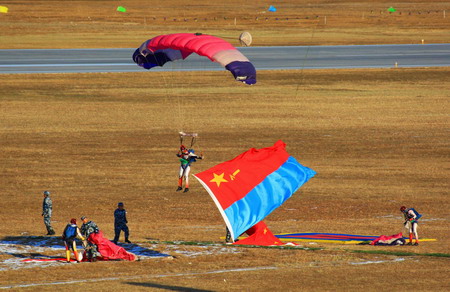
(268, 195)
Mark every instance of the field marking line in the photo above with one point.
(138, 277)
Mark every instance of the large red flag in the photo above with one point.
(249, 187)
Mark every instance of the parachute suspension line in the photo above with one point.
(305, 59)
(181, 120)
(165, 48)
(168, 97)
(175, 100)
(245, 38)
(179, 89)
(166, 86)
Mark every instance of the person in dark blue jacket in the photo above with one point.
(120, 223)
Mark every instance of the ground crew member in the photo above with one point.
(47, 212)
(120, 223)
(70, 233)
(87, 229)
(411, 217)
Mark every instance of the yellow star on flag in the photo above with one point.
(218, 179)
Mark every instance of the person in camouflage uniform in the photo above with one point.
(47, 213)
(87, 229)
(120, 223)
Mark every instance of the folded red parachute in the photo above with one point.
(109, 250)
(396, 239)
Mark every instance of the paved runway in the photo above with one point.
(264, 58)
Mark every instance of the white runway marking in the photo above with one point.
(138, 277)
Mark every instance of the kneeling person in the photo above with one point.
(88, 228)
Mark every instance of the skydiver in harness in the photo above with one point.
(70, 233)
(411, 216)
(187, 157)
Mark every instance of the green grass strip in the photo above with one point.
(400, 253)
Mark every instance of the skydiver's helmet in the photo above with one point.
(403, 208)
(119, 204)
(183, 150)
(47, 193)
(73, 221)
(191, 151)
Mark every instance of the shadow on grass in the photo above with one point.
(56, 242)
(38, 241)
(167, 287)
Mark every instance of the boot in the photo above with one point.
(126, 240)
(186, 190)
(179, 189)
(75, 252)
(50, 230)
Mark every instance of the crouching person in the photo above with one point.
(70, 233)
(88, 228)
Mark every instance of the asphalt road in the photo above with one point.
(264, 58)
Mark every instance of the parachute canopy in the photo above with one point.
(171, 47)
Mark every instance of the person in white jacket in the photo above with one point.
(411, 223)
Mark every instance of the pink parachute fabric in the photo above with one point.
(396, 239)
(171, 47)
(109, 250)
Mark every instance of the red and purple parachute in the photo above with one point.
(171, 47)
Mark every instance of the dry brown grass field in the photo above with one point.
(377, 139)
(97, 24)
